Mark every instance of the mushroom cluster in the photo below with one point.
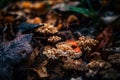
(62, 49)
(95, 65)
(54, 39)
(47, 29)
(69, 51)
(86, 44)
(74, 64)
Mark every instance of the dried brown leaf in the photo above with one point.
(42, 72)
(104, 37)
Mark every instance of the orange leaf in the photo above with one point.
(26, 4)
(77, 49)
(72, 42)
(37, 20)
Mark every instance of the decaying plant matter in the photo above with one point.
(59, 40)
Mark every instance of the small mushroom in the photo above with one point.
(47, 29)
(54, 39)
(74, 64)
(86, 43)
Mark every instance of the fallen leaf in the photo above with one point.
(42, 72)
(104, 37)
(72, 42)
(77, 49)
